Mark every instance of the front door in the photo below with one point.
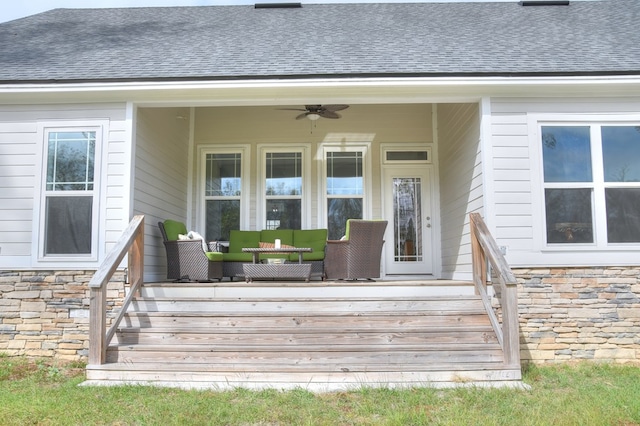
(408, 239)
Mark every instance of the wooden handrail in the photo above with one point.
(485, 251)
(131, 242)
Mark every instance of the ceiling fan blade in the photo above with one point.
(335, 107)
(301, 116)
(329, 114)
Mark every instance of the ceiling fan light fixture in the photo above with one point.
(313, 116)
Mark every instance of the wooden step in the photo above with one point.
(311, 307)
(188, 376)
(297, 338)
(285, 342)
(314, 289)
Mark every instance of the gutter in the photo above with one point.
(257, 92)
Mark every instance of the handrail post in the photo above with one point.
(136, 259)
(97, 325)
(510, 324)
(479, 259)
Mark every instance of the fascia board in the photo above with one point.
(286, 92)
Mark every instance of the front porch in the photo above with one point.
(321, 336)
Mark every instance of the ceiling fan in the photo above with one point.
(314, 112)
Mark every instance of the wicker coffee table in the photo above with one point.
(257, 270)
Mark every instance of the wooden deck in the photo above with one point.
(321, 336)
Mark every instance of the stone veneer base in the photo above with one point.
(566, 314)
(46, 313)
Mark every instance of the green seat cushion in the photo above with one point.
(214, 256)
(172, 228)
(243, 239)
(270, 235)
(315, 239)
(237, 257)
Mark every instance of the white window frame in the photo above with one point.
(44, 130)
(261, 196)
(323, 150)
(245, 196)
(598, 185)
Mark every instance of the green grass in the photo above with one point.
(37, 392)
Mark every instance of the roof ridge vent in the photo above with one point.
(544, 3)
(291, 5)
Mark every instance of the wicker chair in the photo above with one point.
(186, 259)
(359, 255)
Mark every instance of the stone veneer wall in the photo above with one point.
(565, 314)
(46, 313)
(570, 314)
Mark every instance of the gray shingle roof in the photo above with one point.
(331, 40)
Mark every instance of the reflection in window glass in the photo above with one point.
(566, 152)
(284, 173)
(223, 175)
(407, 156)
(623, 215)
(407, 219)
(621, 153)
(339, 210)
(222, 217)
(70, 161)
(344, 173)
(569, 218)
(284, 214)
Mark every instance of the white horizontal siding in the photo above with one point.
(461, 188)
(516, 173)
(161, 178)
(21, 150)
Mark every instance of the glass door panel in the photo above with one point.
(407, 219)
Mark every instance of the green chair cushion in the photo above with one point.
(315, 239)
(172, 228)
(214, 256)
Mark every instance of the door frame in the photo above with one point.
(429, 164)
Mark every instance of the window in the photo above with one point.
(283, 190)
(223, 194)
(345, 190)
(69, 193)
(591, 183)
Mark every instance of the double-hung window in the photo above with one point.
(223, 190)
(283, 189)
(69, 193)
(344, 189)
(591, 183)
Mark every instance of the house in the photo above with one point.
(525, 112)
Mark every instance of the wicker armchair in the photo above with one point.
(186, 259)
(359, 255)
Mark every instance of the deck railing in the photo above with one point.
(485, 251)
(131, 242)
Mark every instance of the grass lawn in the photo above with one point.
(39, 393)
